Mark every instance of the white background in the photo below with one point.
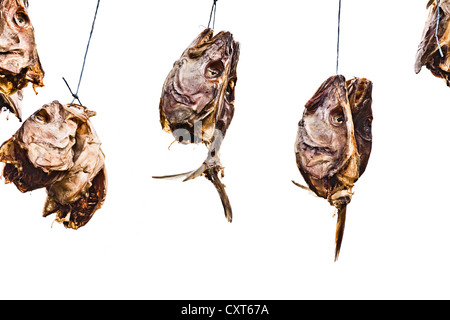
(158, 239)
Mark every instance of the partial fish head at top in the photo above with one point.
(434, 48)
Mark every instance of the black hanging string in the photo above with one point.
(75, 95)
(213, 9)
(338, 36)
(437, 27)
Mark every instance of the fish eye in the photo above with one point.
(214, 69)
(367, 125)
(41, 117)
(364, 128)
(21, 19)
(337, 119)
(230, 89)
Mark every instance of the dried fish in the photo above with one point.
(58, 149)
(197, 101)
(428, 53)
(334, 142)
(19, 60)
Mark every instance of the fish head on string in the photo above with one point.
(58, 149)
(196, 86)
(334, 142)
(322, 137)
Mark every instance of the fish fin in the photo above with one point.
(305, 188)
(210, 169)
(173, 176)
(340, 225)
(211, 172)
(197, 173)
(190, 175)
(301, 186)
(212, 175)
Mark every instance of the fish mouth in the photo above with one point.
(318, 150)
(320, 161)
(50, 157)
(59, 145)
(11, 52)
(178, 106)
(206, 39)
(8, 56)
(13, 62)
(179, 97)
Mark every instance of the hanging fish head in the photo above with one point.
(195, 89)
(334, 142)
(325, 143)
(58, 149)
(19, 60)
(433, 50)
(49, 136)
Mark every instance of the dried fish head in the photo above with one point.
(57, 148)
(194, 89)
(334, 142)
(325, 141)
(19, 60)
(197, 102)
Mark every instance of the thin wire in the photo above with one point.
(75, 95)
(213, 8)
(338, 36)
(437, 27)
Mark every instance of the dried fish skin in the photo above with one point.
(49, 136)
(19, 60)
(197, 102)
(75, 212)
(19, 170)
(334, 142)
(360, 99)
(428, 53)
(58, 148)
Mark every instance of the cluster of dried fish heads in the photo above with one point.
(19, 60)
(428, 53)
(197, 101)
(58, 149)
(334, 142)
